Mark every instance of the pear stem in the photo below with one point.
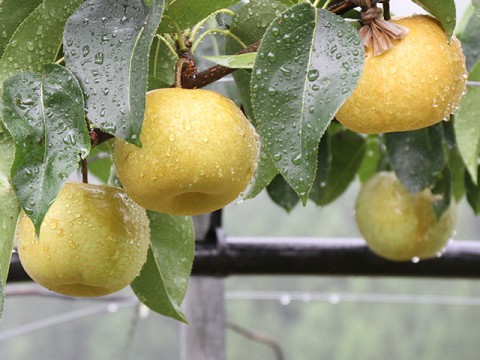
(84, 169)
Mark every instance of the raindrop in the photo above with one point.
(297, 160)
(285, 71)
(271, 57)
(313, 74)
(285, 299)
(85, 50)
(99, 58)
(415, 259)
(277, 157)
(272, 91)
(334, 299)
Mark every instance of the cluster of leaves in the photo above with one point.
(308, 63)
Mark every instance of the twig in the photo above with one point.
(258, 337)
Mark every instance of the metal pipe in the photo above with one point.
(314, 256)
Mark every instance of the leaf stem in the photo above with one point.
(84, 171)
(199, 25)
(326, 4)
(166, 42)
(178, 31)
(61, 60)
(217, 31)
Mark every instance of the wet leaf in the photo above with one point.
(9, 210)
(11, 16)
(307, 65)
(455, 162)
(107, 46)
(443, 188)
(468, 35)
(373, 156)
(282, 194)
(473, 193)
(242, 61)
(163, 281)
(288, 2)
(347, 152)
(323, 169)
(443, 10)
(476, 6)
(161, 69)
(197, 10)
(100, 161)
(264, 175)
(467, 126)
(417, 157)
(249, 24)
(44, 113)
(37, 40)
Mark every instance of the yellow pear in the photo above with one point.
(398, 225)
(93, 241)
(198, 153)
(417, 83)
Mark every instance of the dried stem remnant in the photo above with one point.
(377, 32)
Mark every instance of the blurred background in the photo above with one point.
(308, 318)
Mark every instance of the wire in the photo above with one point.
(64, 317)
(286, 297)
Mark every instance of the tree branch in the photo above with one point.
(193, 80)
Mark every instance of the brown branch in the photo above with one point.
(214, 73)
(194, 80)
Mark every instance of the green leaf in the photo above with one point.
(288, 2)
(9, 210)
(242, 61)
(282, 194)
(417, 157)
(308, 63)
(44, 114)
(347, 152)
(163, 281)
(107, 46)
(100, 161)
(264, 175)
(323, 169)
(38, 39)
(161, 69)
(372, 159)
(443, 10)
(455, 162)
(467, 126)
(473, 193)
(443, 187)
(249, 24)
(468, 35)
(476, 6)
(11, 16)
(187, 13)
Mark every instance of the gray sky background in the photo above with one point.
(405, 7)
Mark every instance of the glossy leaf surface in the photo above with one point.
(11, 16)
(38, 39)
(417, 157)
(9, 210)
(44, 113)
(107, 46)
(163, 281)
(307, 65)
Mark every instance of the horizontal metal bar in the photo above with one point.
(336, 256)
(313, 256)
